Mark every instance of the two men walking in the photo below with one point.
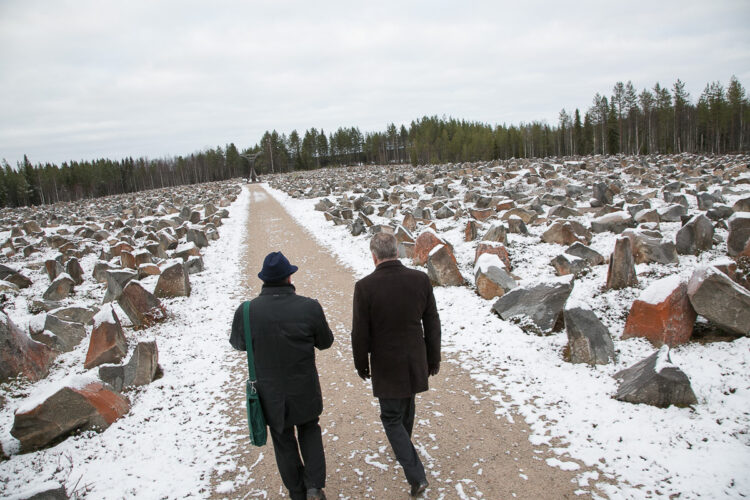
(395, 341)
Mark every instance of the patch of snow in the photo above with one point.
(658, 291)
(105, 315)
(487, 260)
(662, 359)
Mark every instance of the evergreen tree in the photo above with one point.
(579, 141)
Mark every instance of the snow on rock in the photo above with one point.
(658, 291)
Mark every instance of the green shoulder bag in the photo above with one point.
(256, 422)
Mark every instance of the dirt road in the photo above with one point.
(468, 451)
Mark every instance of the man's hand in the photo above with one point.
(433, 369)
(364, 374)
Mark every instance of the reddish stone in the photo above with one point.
(108, 343)
(669, 320)
(145, 270)
(424, 244)
(127, 260)
(482, 214)
(141, 306)
(504, 205)
(143, 257)
(496, 249)
(93, 406)
(120, 247)
(410, 223)
(567, 233)
(20, 355)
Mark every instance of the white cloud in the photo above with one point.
(82, 79)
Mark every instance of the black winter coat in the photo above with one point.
(285, 328)
(395, 321)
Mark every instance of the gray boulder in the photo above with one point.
(140, 369)
(672, 213)
(76, 314)
(621, 271)
(569, 264)
(589, 340)
(649, 246)
(696, 236)
(197, 236)
(60, 288)
(602, 194)
(719, 299)
(195, 265)
(588, 254)
(496, 232)
(739, 233)
(516, 225)
(100, 270)
(116, 281)
(719, 212)
(56, 333)
(542, 303)
(13, 276)
(655, 381)
(615, 222)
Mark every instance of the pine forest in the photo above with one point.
(658, 120)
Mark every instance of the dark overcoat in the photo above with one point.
(396, 325)
(285, 329)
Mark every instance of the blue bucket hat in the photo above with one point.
(276, 267)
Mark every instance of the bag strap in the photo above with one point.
(248, 341)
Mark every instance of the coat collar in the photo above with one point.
(280, 289)
(389, 264)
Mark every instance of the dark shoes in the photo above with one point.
(418, 489)
(316, 494)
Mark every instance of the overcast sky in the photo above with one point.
(89, 79)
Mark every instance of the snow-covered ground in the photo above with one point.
(699, 452)
(177, 431)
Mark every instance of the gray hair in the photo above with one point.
(384, 246)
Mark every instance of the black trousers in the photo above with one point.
(309, 471)
(397, 416)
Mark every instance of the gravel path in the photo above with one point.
(468, 451)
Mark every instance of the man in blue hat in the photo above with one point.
(285, 329)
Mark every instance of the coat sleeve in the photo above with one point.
(360, 330)
(237, 337)
(323, 334)
(431, 325)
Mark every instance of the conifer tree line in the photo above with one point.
(650, 121)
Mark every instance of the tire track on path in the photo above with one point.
(468, 450)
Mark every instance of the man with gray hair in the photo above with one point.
(396, 341)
